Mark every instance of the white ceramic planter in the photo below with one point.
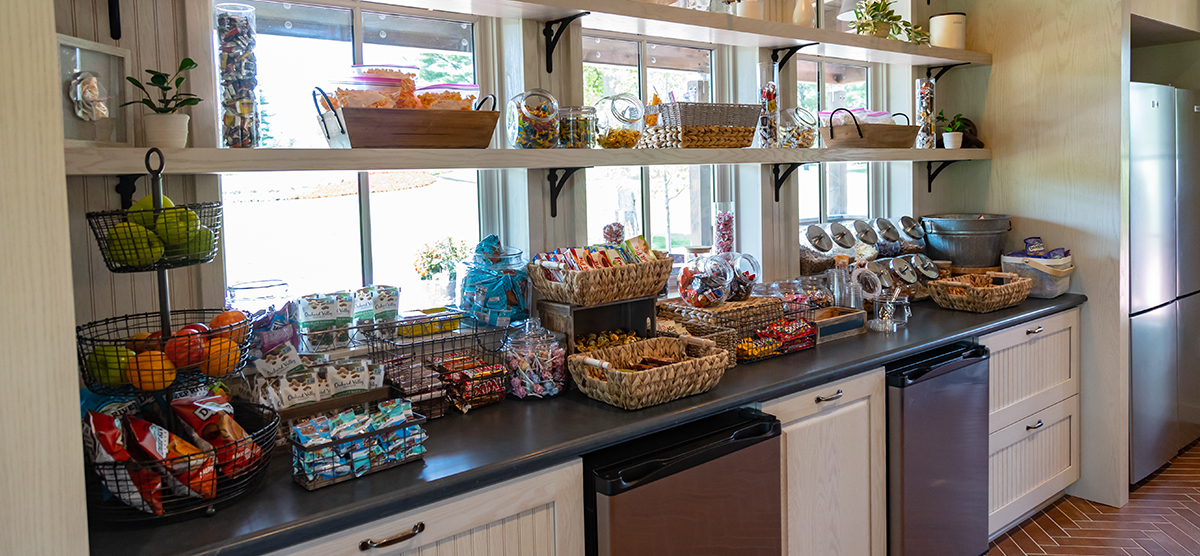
(952, 140)
(948, 30)
(750, 8)
(166, 130)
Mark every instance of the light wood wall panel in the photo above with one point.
(1050, 108)
(154, 32)
(1180, 13)
(41, 487)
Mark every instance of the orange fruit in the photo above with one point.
(230, 324)
(223, 357)
(150, 370)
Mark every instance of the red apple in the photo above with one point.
(199, 327)
(186, 349)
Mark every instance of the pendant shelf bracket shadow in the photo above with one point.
(553, 35)
(126, 187)
(780, 179)
(556, 185)
(788, 52)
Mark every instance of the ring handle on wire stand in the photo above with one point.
(852, 117)
(162, 162)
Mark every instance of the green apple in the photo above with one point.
(197, 247)
(146, 219)
(107, 364)
(133, 245)
(177, 225)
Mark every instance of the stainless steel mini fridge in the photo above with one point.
(711, 487)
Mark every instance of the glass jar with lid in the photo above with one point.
(532, 120)
(619, 121)
(576, 127)
(746, 272)
(797, 129)
(704, 281)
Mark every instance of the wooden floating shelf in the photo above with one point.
(668, 22)
(117, 161)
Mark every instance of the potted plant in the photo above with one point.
(954, 128)
(165, 127)
(436, 262)
(876, 17)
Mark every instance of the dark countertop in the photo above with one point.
(501, 442)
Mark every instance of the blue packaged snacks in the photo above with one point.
(494, 285)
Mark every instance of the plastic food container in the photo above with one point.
(532, 120)
(576, 127)
(620, 121)
(1051, 277)
(374, 91)
(447, 96)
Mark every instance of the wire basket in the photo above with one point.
(142, 240)
(104, 497)
(689, 114)
(764, 335)
(344, 459)
(112, 361)
(409, 362)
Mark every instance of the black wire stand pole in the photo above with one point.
(164, 292)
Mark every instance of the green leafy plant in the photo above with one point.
(957, 124)
(440, 256)
(876, 16)
(166, 83)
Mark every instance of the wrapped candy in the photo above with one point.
(494, 284)
(536, 363)
(238, 72)
(704, 281)
(614, 233)
(724, 230)
(745, 273)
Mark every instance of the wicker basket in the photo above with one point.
(978, 293)
(701, 366)
(689, 114)
(737, 315)
(725, 338)
(605, 285)
(696, 137)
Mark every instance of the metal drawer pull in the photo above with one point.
(1032, 331)
(369, 544)
(1039, 425)
(836, 396)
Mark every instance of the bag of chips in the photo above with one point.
(209, 422)
(105, 445)
(187, 470)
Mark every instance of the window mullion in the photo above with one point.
(364, 223)
(357, 31)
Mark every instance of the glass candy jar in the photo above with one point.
(532, 120)
(576, 127)
(746, 271)
(704, 281)
(535, 361)
(619, 121)
(797, 129)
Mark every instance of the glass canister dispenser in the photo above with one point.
(532, 120)
(619, 121)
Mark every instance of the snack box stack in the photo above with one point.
(470, 381)
(352, 443)
(777, 337)
(593, 257)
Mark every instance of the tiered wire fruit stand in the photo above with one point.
(150, 360)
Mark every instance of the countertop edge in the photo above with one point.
(268, 540)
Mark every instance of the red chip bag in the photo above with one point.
(184, 467)
(129, 482)
(210, 424)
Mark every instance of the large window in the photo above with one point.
(671, 205)
(328, 231)
(832, 191)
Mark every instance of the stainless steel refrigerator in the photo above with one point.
(1164, 274)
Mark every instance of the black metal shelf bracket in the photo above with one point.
(781, 178)
(941, 70)
(556, 186)
(788, 52)
(126, 187)
(933, 174)
(552, 36)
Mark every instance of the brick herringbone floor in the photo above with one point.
(1161, 519)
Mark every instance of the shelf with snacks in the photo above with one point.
(118, 161)
(669, 22)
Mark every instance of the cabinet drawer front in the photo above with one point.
(801, 405)
(536, 515)
(1032, 366)
(1032, 460)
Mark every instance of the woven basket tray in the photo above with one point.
(737, 315)
(605, 285)
(977, 293)
(696, 137)
(699, 372)
(726, 338)
(706, 114)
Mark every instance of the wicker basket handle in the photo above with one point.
(698, 341)
(852, 116)
(597, 363)
(1055, 272)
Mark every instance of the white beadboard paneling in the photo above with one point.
(1025, 467)
(483, 540)
(1031, 370)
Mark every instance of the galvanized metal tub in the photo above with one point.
(969, 240)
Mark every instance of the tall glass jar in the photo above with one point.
(767, 132)
(237, 71)
(532, 120)
(619, 121)
(927, 135)
(723, 229)
(797, 129)
(576, 127)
